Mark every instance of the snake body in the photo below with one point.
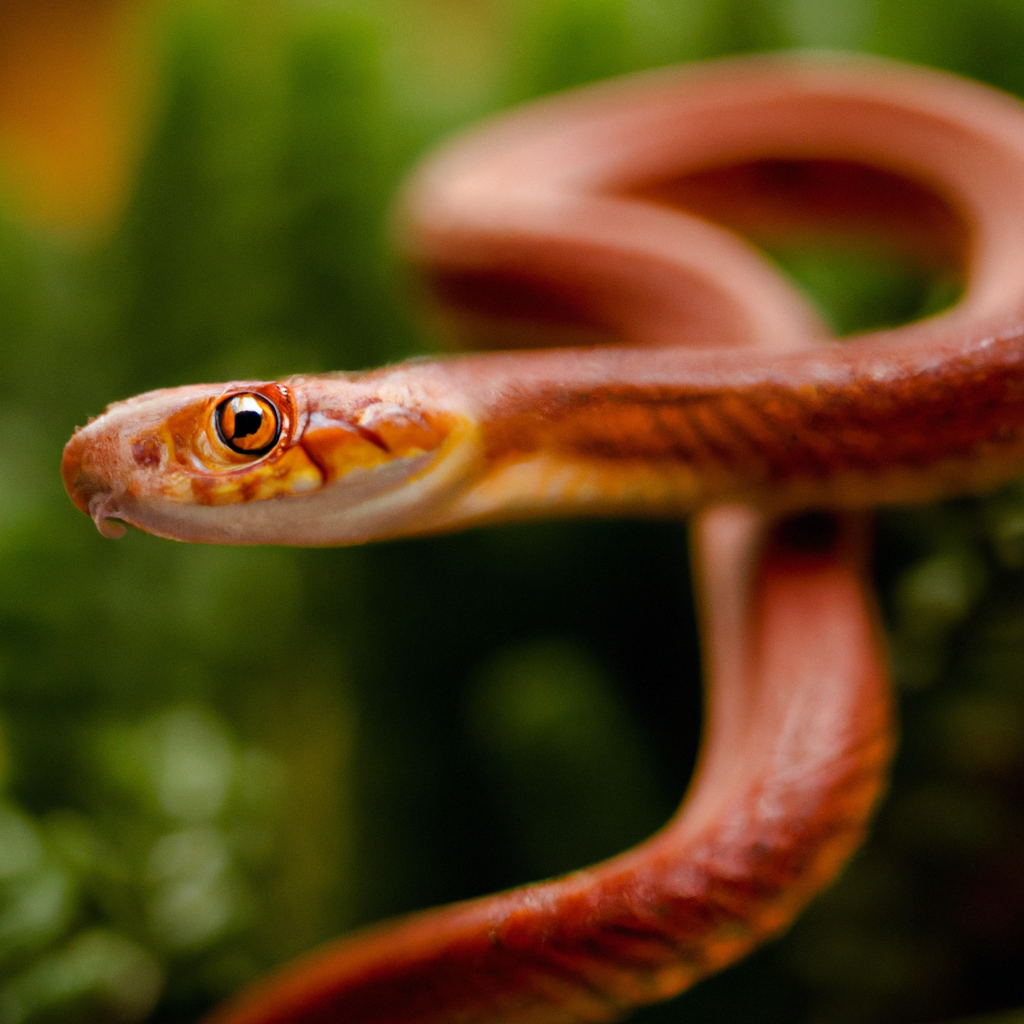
(584, 220)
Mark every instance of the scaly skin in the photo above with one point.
(423, 447)
(563, 225)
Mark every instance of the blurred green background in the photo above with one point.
(214, 758)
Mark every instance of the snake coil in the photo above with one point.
(674, 370)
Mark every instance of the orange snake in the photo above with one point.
(577, 221)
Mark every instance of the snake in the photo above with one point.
(632, 352)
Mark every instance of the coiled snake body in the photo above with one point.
(673, 371)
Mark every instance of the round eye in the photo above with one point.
(248, 424)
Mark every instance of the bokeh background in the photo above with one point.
(214, 758)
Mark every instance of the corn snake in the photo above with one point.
(564, 226)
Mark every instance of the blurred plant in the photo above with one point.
(73, 96)
(148, 886)
(568, 767)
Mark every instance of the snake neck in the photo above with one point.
(614, 429)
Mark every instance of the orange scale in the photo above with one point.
(339, 450)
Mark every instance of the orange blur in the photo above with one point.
(74, 79)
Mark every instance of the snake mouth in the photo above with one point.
(103, 510)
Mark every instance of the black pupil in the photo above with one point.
(247, 421)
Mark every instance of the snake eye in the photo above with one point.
(248, 424)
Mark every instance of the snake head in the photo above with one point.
(328, 460)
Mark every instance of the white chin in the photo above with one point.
(364, 505)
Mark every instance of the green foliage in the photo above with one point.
(568, 768)
(212, 759)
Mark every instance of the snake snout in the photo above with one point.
(88, 486)
(78, 471)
